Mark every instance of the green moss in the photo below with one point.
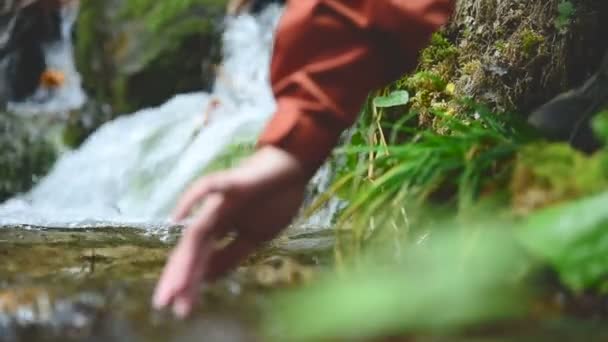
(439, 50)
(26, 154)
(550, 173)
(161, 15)
(425, 80)
(471, 67)
(531, 41)
(501, 46)
(140, 53)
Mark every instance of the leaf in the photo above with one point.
(600, 126)
(573, 238)
(449, 283)
(394, 99)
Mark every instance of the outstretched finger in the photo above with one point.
(181, 270)
(198, 191)
(179, 282)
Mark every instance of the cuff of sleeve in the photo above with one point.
(307, 135)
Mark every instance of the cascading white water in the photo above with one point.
(131, 171)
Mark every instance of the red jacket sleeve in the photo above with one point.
(329, 54)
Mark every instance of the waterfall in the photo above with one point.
(132, 170)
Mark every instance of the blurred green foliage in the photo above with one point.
(456, 278)
(565, 11)
(429, 157)
(573, 238)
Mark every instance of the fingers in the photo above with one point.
(179, 285)
(185, 300)
(198, 191)
(181, 274)
(264, 204)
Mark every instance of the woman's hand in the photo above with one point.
(255, 201)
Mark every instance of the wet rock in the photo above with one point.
(9, 16)
(34, 26)
(95, 284)
(36, 314)
(282, 271)
(29, 30)
(218, 330)
(514, 56)
(568, 117)
(25, 155)
(135, 55)
(39, 88)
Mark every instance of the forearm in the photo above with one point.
(330, 54)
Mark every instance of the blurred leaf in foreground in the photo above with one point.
(447, 283)
(573, 238)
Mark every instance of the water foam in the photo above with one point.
(131, 171)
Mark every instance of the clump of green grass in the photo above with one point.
(413, 167)
(406, 273)
(440, 50)
(547, 174)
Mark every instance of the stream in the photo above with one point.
(82, 250)
(96, 285)
(131, 170)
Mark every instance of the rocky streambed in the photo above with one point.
(96, 284)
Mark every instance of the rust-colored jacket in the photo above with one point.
(329, 54)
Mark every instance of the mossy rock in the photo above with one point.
(515, 55)
(140, 53)
(26, 154)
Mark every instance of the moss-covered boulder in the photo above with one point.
(41, 90)
(140, 53)
(517, 54)
(26, 154)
